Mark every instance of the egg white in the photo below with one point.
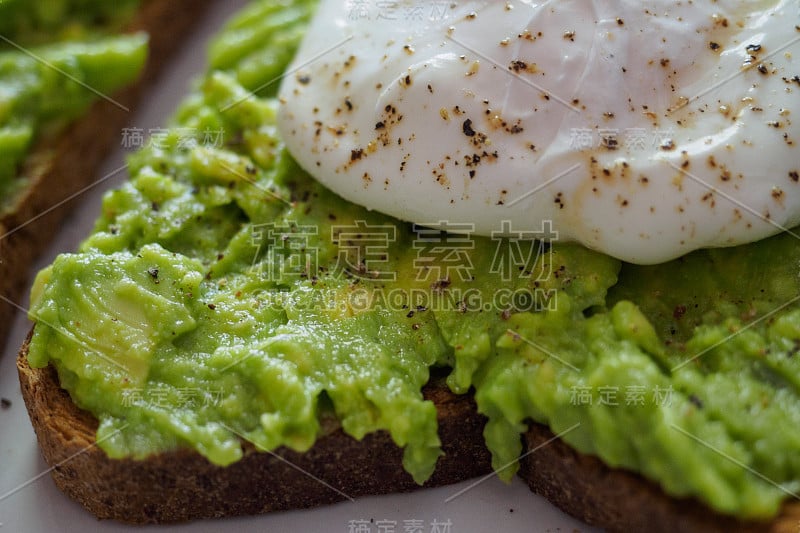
(642, 129)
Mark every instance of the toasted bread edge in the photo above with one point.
(181, 485)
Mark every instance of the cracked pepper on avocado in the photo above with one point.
(225, 294)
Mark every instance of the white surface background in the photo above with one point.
(32, 504)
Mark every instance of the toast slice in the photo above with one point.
(182, 485)
(59, 167)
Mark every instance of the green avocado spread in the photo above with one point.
(56, 58)
(226, 296)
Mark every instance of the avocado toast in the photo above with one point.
(71, 73)
(287, 224)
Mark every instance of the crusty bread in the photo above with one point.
(60, 166)
(182, 485)
(617, 500)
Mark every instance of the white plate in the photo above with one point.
(30, 502)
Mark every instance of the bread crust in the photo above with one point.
(182, 485)
(60, 166)
(621, 501)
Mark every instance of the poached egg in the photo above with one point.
(641, 129)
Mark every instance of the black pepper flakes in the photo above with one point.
(440, 284)
(5, 403)
(467, 128)
(697, 402)
(610, 143)
(518, 66)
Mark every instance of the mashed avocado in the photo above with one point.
(226, 295)
(56, 58)
(30, 23)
